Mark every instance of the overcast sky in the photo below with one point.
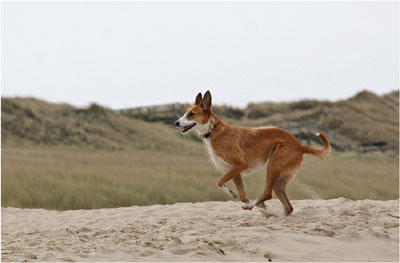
(125, 54)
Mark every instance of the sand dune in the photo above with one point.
(318, 230)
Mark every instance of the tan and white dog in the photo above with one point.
(240, 150)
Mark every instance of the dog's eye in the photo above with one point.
(191, 114)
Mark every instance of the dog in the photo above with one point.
(240, 150)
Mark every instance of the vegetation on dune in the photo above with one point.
(365, 122)
(61, 157)
(34, 122)
(353, 124)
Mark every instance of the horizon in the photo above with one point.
(216, 104)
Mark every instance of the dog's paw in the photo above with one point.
(249, 205)
(232, 194)
(245, 207)
(228, 191)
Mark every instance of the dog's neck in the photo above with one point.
(214, 122)
(208, 134)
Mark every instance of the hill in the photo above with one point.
(364, 122)
(32, 121)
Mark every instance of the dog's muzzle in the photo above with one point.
(185, 128)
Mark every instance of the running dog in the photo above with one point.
(241, 150)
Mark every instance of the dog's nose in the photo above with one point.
(177, 123)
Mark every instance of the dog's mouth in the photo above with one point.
(188, 127)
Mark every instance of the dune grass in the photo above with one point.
(74, 178)
(62, 157)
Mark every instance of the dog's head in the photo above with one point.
(197, 117)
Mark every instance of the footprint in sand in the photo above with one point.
(180, 251)
(147, 253)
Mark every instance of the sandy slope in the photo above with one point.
(318, 230)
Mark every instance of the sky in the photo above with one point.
(129, 54)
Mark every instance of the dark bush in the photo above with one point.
(304, 105)
(256, 113)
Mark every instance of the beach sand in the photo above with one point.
(318, 230)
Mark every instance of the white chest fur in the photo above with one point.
(219, 162)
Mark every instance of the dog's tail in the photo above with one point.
(322, 154)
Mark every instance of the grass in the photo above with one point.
(73, 178)
(61, 157)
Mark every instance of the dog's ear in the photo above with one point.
(199, 97)
(206, 102)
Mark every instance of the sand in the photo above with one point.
(318, 230)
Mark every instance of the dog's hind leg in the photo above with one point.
(280, 191)
(282, 166)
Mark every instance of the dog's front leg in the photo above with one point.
(240, 187)
(234, 172)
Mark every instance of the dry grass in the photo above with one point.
(28, 122)
(350, 175)
(364, 118)
(60, 178)
(71, 178)
(61, 157)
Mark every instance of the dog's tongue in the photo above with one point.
(186, 128)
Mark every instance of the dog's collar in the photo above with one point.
(208, 134)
